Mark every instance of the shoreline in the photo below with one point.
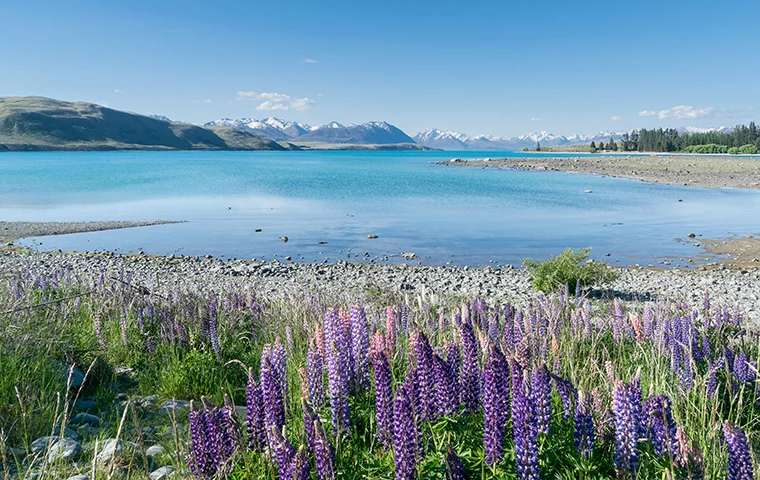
(361, 281)
(10, 231)
(709, 171)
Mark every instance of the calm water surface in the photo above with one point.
(442, 214)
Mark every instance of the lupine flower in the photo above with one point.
(524, 428)
(584, 425)
(470, 377)
(337, 383)
(739, 454)
(271, 392)
(212, 327)
(390, 331)
(627, 427)
(123, 327)
(454, 467)
(405, 440)
(425, 377)
(383, 400)
(360, 347)
(319, 340)
(567, 393)
(323, 453)
(446, 391)
(230, 430)
(688, 456)
(453, 359)
(98, 327)
(283, 451)
(254, 418)
(660, 426)
(541, 393)
(315, 376)
(309, 417)
(495, 378)
(198, 458)
(301, 469)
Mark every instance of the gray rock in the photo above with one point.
(155, 451)
(149, 401)
(85, 405)
(64, 449)
(86, 419)
(161, 473)
(81, 476)
(112, 448)
(174, 405)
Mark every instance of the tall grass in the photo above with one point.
(188, 344)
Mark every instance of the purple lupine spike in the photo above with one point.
(452, 358)
(308, 424)
(254, 417)
(470, 382)
(284, 453)
(541, 390)
(446, 392)
(198, 459)
(315, 376)
(524, 429)
(301, 468)
(425, 377)
(405, 441)
(741, 367)
(567, 393)
(739, 454)
(659, 424)
(337, 385)
(271, 392)
(278, 358)
(213, 324)
(97, 325)
(230, 429)
(495, 378)
(454, 466)
(323, 453)
(213, 436)
(360, 347)
(383, 400)
(584, 425)
(626, 429)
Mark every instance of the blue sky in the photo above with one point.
(501, 68)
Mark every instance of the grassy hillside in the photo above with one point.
(38, 123)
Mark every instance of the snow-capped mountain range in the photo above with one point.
(384, 133)
(451, 140)
(380, 133)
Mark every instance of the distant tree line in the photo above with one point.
(743, 139)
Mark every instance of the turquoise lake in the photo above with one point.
(442, 214)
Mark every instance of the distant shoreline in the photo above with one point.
(12, 231)
(695, 170)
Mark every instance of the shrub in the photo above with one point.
(568, 268)
(592, 150)
(748, 149)
(733, 151)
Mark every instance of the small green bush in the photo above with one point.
(733, 151)
(592, 150)
(568, 268)
(748, 149)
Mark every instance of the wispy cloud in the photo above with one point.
(309, 60)
(205, 100)
(116, 90)
(616, 118)
(277, 101)
(537, 119)
(688, 112)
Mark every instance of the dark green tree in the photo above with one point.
(538, 146)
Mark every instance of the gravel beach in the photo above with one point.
(713, 171)
(357, 282)
(11, 231)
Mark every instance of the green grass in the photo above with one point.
(571, 268)
(35, 342)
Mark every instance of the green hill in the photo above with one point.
(38, 124)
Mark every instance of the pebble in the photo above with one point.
(81, 476)
(111, 448)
